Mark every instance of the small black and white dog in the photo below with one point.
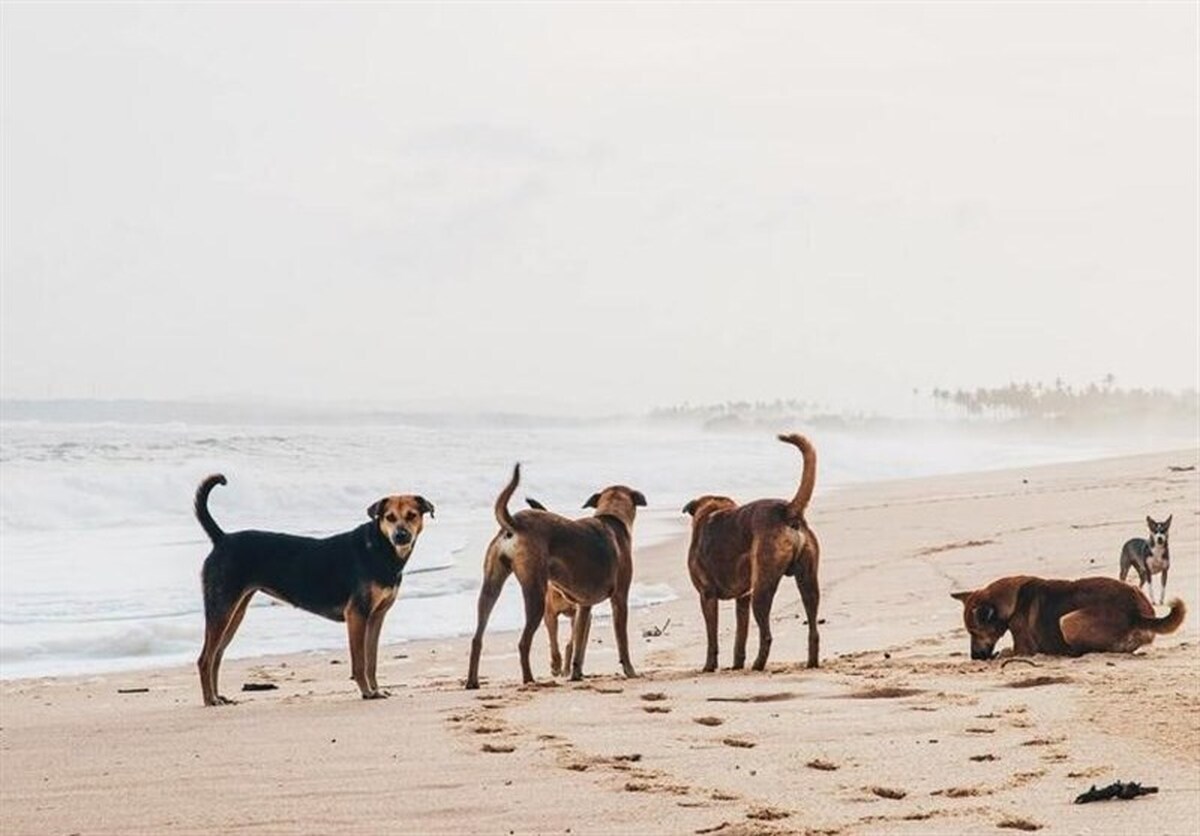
(1149, 556)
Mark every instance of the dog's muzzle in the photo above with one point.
(982, 654)
(401, 537)
(1160, 540)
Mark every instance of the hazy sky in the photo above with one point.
(595, 206)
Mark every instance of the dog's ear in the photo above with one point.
(425, 506)
(986, 613)
(593, 501)
(1150, 522)
(690, 508)
(376, 508)
(639, 499)
(534, 504)
(1167, 523)
(962, 596)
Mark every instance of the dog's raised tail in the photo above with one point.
(807, 481)
(1170, 622)
(209, 525)
(502, 515)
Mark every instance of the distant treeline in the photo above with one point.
(1099, 402)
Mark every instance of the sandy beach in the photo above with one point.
(897, 732)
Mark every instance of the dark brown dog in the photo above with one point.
(587, 560)
(1063, 618)
(351, 577)
(743, 551)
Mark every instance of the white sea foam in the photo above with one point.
(100, 553)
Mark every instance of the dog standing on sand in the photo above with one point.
(1149, 556)
(1063, 618)
(351, 577)
(586, 560)
(744, 551)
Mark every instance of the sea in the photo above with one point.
(100, 553)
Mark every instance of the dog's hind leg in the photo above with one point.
(761, 600)
(708, 608)
(810, 595)
(235, 621)
(579, 637)
(534, 592)
(220, 614)
(495, 572)
(742, 615)
(1100, 629)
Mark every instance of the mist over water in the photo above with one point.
(100, 554)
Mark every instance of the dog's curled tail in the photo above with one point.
(209, 525)
(502, 515)
(809, 480)
(1170, 622)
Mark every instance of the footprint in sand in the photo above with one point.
(739, 743)
(708, 721)
(1018, 823)
(656, 709)
(498, 748)
(889, 793)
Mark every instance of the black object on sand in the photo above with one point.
(259, 686)
(1119, 789)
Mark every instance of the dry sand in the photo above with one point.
(898, 732)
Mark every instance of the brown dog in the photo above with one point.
(743, 551)
(1063, 618)
(351, 577)
(586, 560)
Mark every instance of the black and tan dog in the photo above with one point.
(586, 560)
(744, 551)
(1063, 618)
(351, 577)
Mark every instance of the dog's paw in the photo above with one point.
(376, 695)
(220, 700)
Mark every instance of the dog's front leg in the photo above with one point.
(535, 610)
(762, 598)
(556, 661)
(356, 628)
(371, 645)
(620, 611)
(579, 637)
(708, 608)
(1162, 592)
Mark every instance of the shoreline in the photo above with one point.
(897, 705)
(654, 559)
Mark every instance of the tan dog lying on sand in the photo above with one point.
(1063, 618)
(744, 551)
(587, 560)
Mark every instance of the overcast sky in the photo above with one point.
(595, 206)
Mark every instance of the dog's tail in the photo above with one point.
(209, 525)
(808, 480)
(502, 516)
(1170, 622)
